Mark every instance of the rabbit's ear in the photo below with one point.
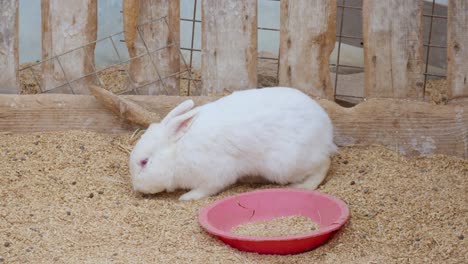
(178, 110)
(179, 125)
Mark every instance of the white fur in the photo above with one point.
(277, 133)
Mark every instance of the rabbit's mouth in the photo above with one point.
(146, 185)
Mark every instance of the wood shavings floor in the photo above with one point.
(66, 197)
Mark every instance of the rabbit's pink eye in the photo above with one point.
(143, 162)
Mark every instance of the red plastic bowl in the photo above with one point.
(221, 216)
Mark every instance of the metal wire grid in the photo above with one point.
(340, 37)
(188, 68)
(121, 62)
(192, 41)
(429, 44)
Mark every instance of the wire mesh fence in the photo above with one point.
(122, 80)
(346, 62)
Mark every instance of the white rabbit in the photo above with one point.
(277, 133)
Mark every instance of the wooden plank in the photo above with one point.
(457, 49)
(410, 127)
(58, 112)
(229, 46)
(9, 82)
(393, 45)
(67, 25)
(154, 32)
(307, 38)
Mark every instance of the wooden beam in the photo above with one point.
(307, 38)
(150, 26)
(393, 42)
(229, 46)
(457, 49)
(67, 25)
(410, 127)
(9, 82)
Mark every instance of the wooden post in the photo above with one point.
(307, 38)
(229, 46)
(457, 49)
(67, 25)
(9, 82)
(393, 45)
(153, 33)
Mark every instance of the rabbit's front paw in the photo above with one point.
(193, 195)
(202, 192)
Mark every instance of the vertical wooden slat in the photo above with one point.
(229, 46)
(156, 33)
(393, 42)
(307, 38)
(9, 82)
(67, 25)
(457, 49)
(130, 13)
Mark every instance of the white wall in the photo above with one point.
(440, 2)
(29, 30)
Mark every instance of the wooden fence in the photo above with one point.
(393, 45)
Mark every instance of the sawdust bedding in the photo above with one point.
(279, 226)
(66, 197)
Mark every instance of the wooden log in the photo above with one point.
(307, 38)
(409, 127)
(124, 108)
(67, 25)
(151, 25)
(457, 49)
(229, 46)
(9, 80)
(393, 43)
